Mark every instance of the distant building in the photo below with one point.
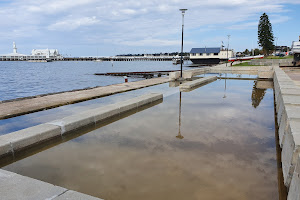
(52, 54)
(209, 55)
(14, 55)
(280, 49)
(36, 54)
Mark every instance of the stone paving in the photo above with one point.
(294, 74)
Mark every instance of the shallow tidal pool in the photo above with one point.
(214, 142)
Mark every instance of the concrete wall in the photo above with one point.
(264, 72)
(287, 97)
(20, 140)
(271, 62)
(190, 84)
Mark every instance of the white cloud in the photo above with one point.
(71, 23)
(134, 23)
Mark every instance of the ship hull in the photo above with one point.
(206, 61)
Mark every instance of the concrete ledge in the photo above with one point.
(72, 195)
(93, 116)
(14, 186)
(290, 112)
(23, 106)
(5, 147)
(290, 150)
(191, 84)
(174, 75)
(294, 191)
(188, 74)
(266, 74)
(287, 97)
(27, 137)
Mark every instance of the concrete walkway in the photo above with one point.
(14, 186)
(294, 74)
(14, 108)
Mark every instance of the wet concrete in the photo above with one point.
(215, 142)
(28, 105)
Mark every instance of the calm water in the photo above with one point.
(215, 142)
(22, 79)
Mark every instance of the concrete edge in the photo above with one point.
(19, 140)
(287, 98)
(191, 84)
(294, 191)
(15, 186)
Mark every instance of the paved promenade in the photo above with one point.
(28, 105)
(294, 74)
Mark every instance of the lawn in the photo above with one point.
(243, 64)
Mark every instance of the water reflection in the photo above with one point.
(179, 136)
(225, 87)
(228, 151)
(257, 95)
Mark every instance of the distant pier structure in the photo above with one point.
(54, 55)
(36, 55)
(125, 58)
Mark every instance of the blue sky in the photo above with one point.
(105, 28)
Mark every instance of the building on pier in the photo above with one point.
(51, 54)
(36, 54)
(14, 55)
(208, 56)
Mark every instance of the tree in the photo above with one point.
(265, 34)
(256, 52)
(246, 52)
(257, 95)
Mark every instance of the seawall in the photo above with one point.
(287, 97)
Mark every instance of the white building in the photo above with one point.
(36, 54)
(52, 54)
(209, 55)
(14, 55)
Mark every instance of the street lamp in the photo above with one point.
(182, 11)
(227, 48)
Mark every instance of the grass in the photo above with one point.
(243, 64)
(277, 57)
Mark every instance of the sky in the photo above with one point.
(107, 28)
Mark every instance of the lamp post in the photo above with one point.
(227, 48)
(183, 12)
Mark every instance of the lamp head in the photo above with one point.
(183, 10)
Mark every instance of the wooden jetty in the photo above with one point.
(147, 74)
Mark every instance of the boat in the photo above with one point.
(176, 61)
(209, 56)
(245, 58)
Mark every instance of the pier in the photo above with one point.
(148, 74)
(125, 58)
(99, 59)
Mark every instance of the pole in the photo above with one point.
(182, 11)
(227, 48)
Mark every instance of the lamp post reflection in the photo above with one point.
(225, 87)
(179, 136)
